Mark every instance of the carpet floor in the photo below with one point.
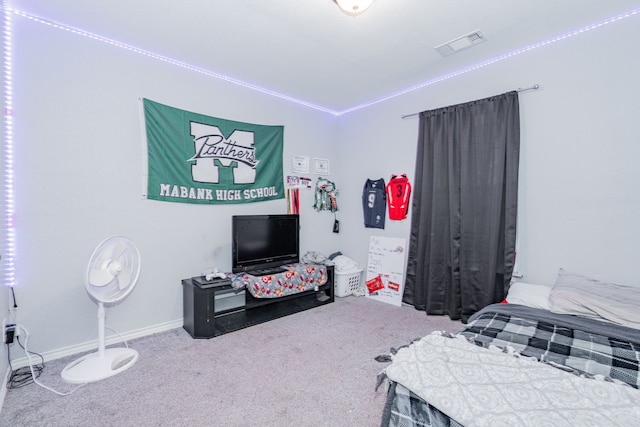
(314, 368)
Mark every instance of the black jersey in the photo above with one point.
(374, 203)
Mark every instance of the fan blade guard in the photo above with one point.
(113, 269)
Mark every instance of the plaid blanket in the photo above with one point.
(488, 387)
(585, 346)
(405, 408)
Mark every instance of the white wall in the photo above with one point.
(79, 159)
(579, 199)
(79, 180)
(5, 298)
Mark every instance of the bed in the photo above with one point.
(561, 355)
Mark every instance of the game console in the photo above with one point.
(215, 274)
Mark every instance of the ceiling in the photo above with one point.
(310, 51)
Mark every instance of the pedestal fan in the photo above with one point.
(112, 273)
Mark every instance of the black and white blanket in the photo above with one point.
(491, 382)
(587, 346)
(407, 409)
(486, 387)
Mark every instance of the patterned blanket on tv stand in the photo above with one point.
(297, 278)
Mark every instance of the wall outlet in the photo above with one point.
(8, 331)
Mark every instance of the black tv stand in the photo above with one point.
(219, 309)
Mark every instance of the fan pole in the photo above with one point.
(101, 329)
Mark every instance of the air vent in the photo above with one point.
(461, 43)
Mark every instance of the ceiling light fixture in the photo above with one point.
(353, 7)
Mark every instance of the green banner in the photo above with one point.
(192, 158)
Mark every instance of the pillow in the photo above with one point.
(536, 296)
(583, 296)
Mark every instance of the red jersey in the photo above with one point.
(398, 192)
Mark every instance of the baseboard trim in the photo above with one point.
(93, 345)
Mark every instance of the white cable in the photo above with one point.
(124, 341)
(33, 374)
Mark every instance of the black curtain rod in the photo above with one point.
(520, 89)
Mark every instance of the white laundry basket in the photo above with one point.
(346, 283)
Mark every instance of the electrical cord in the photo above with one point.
(22, 376)
(13, 293)
(124, 341)
(33, 369)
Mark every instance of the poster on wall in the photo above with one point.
(193, 158)
(385, 269)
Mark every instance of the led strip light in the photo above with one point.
(9, 243)
(170, 61)
(495, 59)
(306, 103)
(9, 249)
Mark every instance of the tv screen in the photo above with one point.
(264, 241)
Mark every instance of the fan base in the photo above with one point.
(94, 367)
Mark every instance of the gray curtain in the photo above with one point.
(463, 230)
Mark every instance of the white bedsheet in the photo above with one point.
(486, 387)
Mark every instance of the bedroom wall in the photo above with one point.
(578, 198)
(78, 162)
(5, 297)
(79, 159)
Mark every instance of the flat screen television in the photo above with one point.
(264, 241)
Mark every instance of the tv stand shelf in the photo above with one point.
(207, 313)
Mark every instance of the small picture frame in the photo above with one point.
(320, 166)
(300, 164)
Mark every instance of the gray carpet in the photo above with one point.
(314, 368)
